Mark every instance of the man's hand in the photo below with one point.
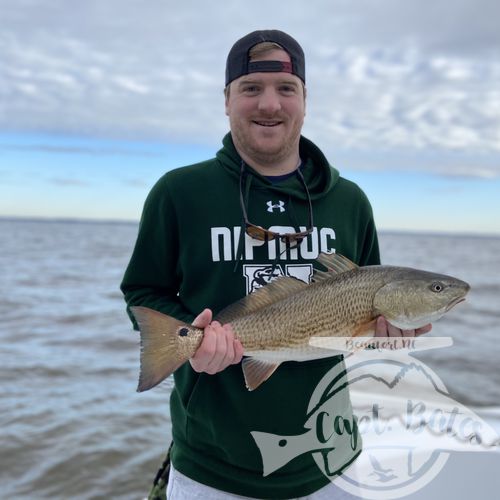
(385, 329)
(218, 349)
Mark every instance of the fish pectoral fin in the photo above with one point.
(257, 371)
(337, 345)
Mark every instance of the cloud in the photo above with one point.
(382, 74)
(399, 98)
(468, 171)
(466, 28)
(76, 150)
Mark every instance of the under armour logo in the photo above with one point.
(280, 205)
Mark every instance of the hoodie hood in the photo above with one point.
(319, 175)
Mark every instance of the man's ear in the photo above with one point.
(226, 99)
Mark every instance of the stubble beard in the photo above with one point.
(249, 148)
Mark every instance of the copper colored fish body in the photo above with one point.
(277, 322)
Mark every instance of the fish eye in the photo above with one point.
(437, 287)
(183, 332)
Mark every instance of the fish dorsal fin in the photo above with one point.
(279, 289)
(335, 263)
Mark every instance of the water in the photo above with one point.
(72, 425)
(470, 368)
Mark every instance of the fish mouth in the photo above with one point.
(453, 303)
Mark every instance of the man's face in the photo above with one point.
(266, 112)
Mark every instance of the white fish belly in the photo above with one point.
(305, 353)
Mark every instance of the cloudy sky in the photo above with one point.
(99, 98)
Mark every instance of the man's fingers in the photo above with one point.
(381, 327)
(218, 350)
(393, 331)
(228, 358)
(407, 333)
(238, 351)
(385, 329)
(216, 363)
(423, 329)
(205, 352)
(203, 319)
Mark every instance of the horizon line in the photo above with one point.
(381, 230)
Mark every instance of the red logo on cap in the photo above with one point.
(286, 66)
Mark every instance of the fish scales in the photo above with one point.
(333, 307)
(277, 322)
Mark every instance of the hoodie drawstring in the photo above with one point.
(247, 182)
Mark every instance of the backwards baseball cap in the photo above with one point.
(238, 61)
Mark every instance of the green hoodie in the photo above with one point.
(186, 259)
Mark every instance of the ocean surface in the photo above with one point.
(71, 423)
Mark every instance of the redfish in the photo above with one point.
(279, 321)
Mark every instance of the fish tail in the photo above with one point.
(160, 355)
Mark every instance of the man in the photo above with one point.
(211, 233)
